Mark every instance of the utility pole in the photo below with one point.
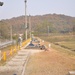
(30, 25)
(48, 29)
(1, 4)
(11, 32)
(26, 17)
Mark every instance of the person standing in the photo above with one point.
(20, 41)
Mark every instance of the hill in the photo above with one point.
(52, 23)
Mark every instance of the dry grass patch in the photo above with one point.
(50, 63)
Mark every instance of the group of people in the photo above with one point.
(41, 46)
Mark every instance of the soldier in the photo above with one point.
(20, 41)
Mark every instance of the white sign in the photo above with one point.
(49, 45)
(43, 41)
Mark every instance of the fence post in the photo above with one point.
(4, 56)
(15, 50)
(11, 52)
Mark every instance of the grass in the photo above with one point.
(69, 45)
(58, 38)
(63, 50)
(62, 43)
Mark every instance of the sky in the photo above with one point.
(15, 8)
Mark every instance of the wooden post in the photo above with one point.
(11, 52)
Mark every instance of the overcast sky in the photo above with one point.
(15, 8)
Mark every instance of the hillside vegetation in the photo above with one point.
(4, 30)
(49, 23)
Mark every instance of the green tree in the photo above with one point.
(4, 30)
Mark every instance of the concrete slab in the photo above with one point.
(18, 59)
(23, 52)
(20, 54)
(35, 51)
(4, 70)
(15, 63)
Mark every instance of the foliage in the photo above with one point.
(4, 30)
(39, 24)
(56, 37)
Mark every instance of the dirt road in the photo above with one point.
(50, 63)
